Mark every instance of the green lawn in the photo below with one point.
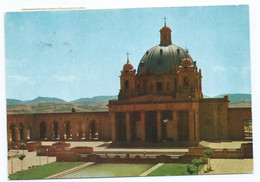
(110, 170)
(171, 170)
(45, 170)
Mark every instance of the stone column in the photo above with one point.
(143, 125)
(113, 123)
(84, 129)
(159, 126)
(197, 125)
(175, 125)
(191, 124)
(128, 127)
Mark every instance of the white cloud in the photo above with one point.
(67, 78)
(19, 79)
(218, 68)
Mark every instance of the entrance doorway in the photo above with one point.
(151, 126)
(121, 126)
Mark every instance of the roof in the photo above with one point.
(161, 58)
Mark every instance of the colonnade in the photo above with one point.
(174, 124)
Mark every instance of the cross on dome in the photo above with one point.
(165, 20)
(127, 54)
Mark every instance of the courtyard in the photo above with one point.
(39, 167)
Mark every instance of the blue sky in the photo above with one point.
(75, 54)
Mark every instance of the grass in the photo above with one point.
(44, 170)
(110, 170)
(171, 170)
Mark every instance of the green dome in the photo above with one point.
(161, 58)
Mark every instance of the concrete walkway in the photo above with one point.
(222, 145)
(151, 169)
(229, 166)
(63, 173)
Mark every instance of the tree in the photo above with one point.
(197, 163)
(191, 169)
(39, 153)
(23, 146)
(73, 110)
(247, 124)
(21, 157)
(207, 154)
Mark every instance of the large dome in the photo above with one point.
(161, 58)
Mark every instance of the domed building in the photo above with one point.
(159, 104)
(163, 102)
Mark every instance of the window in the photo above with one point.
(185, 81)
(126, 84)
(159, 86)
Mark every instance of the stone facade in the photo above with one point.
(59, 126)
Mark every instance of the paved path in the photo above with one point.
(151, 169)
(63, 173)
(222, 145)
(230, 166)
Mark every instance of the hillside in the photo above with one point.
(94, 99)
(98, 103)
(236, 97)
(13, 102)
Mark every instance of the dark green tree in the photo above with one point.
(207, 154)
(197, 163)
(21, 157)
(191, 169)
(247, 124)
(39, 153)
(23, 146)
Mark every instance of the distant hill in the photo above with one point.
(95, 99)
(13, 102)
(35, 101)
(45, 100)
(240, 104)
(236, 97)
(98, 103)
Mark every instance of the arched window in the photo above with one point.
(43, 130)
(93, 131)
(21, 131)
(159, 86)
(55, 129)
(67, 132)
(126, 85)
(12, 133)
(185, 81)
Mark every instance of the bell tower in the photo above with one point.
(165, 35)
(127, 81)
